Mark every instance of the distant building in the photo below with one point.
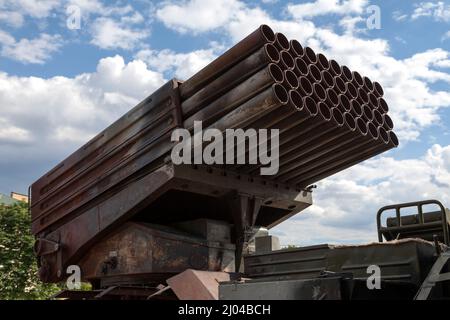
(13, 198)
(19, 196)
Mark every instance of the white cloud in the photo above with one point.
(197, 15)
(346, 204)
(32, 8)
(440, 11)
(110, 34)
(44, 120)
(324, 7)
(446, 36)
(181, 65)
(12, 18)
(36, 50)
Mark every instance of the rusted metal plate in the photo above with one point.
(138, 248)
(197, 285)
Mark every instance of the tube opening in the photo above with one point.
(347, 73)
(338, 116)
(372, 129)
(310, 55)
(361, 126)
(332, 96)
(352, 90)
(296, 99)
(373, 100)
(383, 134)
(362, 94)
(280, 93)
(358, 79)
(305, 86)
(276, 72)
(297, 47)
(282, 40)
(267, 33)
(335, 68)
(350, 121)
(291, 78)
(339, 84)
(368, 84)
(344, 102)
(387, 121)
(324, 111)
(315, 72)
(323, 61)
(301, 67)
(272, 52)
(377, 117)
(367, 112)
(356, 107)
(327, 78)
(393, 138)
(382, 105)
(319, 91)
(378, 89)
(310, 105)
(287, 59)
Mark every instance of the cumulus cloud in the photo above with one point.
(36, 50)
(110, 34)
(346, 204)
(180, 65)
(440, 11)
(47, 119)
(324, 7)
(197, 15)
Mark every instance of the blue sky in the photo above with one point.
(59, 86)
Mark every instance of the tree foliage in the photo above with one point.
(18, 268)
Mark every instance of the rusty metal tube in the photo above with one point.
(346, 73)
(362, 98)
(236, 96)
(388, 124)
(310, 56)
(332, 99)
(322, 62)
(319, 94)
(236, 74)
(351, 91)
(339, 85)
(298, 111)
(301, 67)
(281, 42)
(344, 103)
(367, 112)
(378, 89)
(325, 144)
(305, 87)
(314, 73)
(356, 109)
(382, 105)
(295, 48)
(327, 79)
(335, 68)
(377, 117)
(271, 98)
(290, 80)
(286, 60)
(358, 80)
(238, 52)
(368, 85)
(373, 101)
(350, 161)
(352, 148)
